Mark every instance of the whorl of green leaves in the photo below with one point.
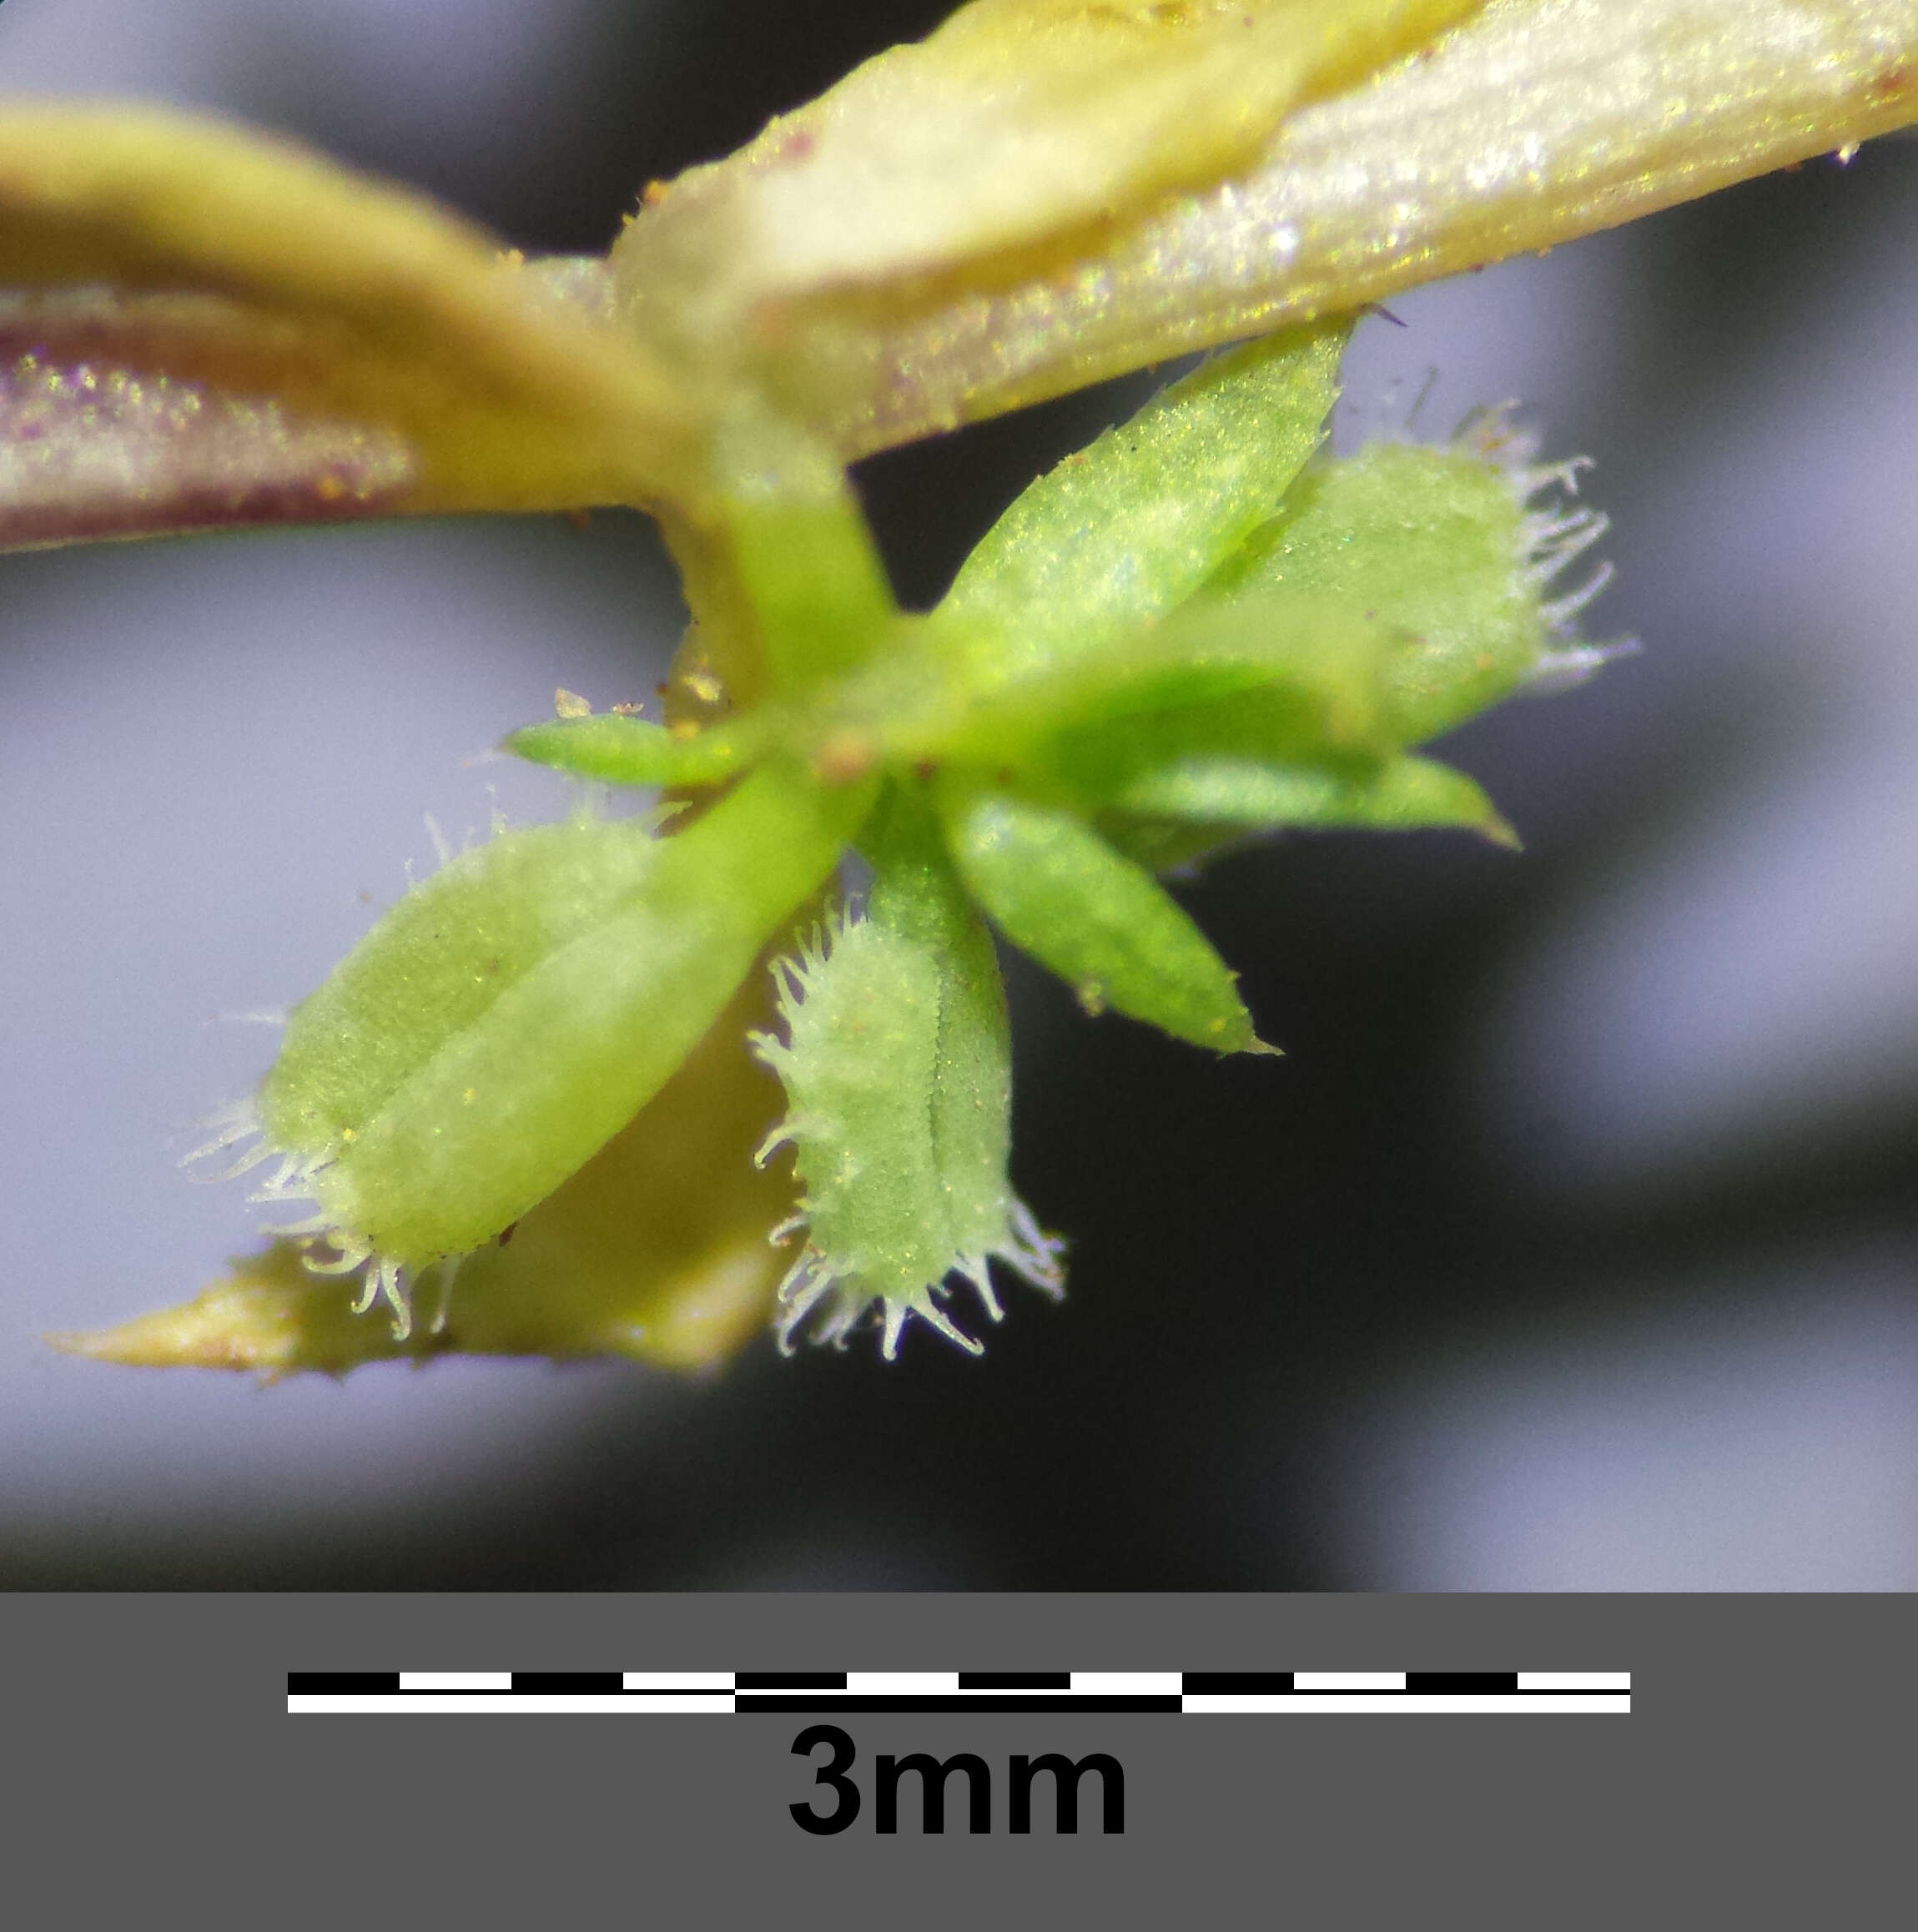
(1199, 628)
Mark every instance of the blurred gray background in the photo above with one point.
(1574, 1244)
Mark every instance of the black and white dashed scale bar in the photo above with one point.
(1263, 1693)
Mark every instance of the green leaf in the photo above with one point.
(898, 1070)
(1172, 815)
(1061, 894)
(505, 1019)
(1287, 677)
(1121, 533)
(618, 750)
(1435, 544)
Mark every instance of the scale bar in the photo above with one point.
(1207, 1693)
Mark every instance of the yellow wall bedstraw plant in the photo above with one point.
(530, 1112)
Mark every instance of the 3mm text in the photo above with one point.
(1062, 1774)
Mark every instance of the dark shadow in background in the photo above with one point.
(1247, 1238)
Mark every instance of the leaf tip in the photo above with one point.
(1498, 830)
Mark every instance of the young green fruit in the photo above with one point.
(898, 1070)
